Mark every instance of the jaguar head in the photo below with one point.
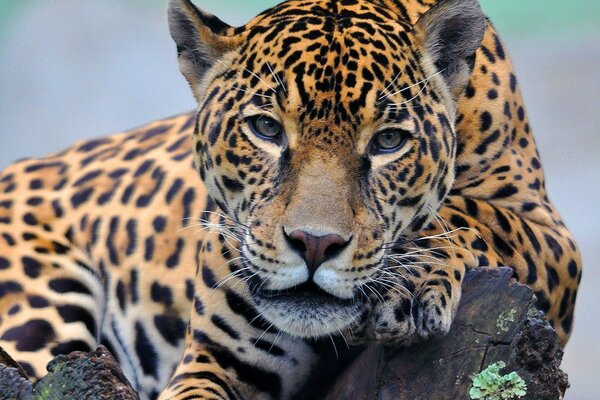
(326, 129)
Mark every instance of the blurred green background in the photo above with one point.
(513, 16)
(71, 70)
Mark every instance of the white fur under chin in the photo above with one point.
(310, 321)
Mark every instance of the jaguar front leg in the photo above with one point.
(420, 295)
(199, 376)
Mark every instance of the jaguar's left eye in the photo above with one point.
(265, 127)
(389, 140)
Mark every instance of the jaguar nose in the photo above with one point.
(316, 249)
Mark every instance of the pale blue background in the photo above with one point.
(71, 70)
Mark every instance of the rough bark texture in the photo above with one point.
(496, 321)
(94, 375)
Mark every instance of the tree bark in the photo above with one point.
(496, 321)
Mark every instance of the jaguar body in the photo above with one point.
(348, 162)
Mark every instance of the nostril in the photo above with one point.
(296, 243)
(335, 248)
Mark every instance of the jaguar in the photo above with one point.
(349, 161)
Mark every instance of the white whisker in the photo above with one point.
(276, 77)
(261, 79)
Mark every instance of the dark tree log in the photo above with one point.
(94, 375)
(496, 321)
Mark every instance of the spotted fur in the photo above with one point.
(171, 243)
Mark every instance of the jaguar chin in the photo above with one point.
(307, 311)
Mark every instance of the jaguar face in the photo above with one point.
(327, 135)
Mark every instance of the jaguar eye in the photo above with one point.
(265, 127)
(389, 140)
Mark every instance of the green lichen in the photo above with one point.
(490, 384)
(505, 319)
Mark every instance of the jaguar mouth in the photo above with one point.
(307, 291)
(306, 310)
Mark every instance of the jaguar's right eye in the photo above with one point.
(265, 127)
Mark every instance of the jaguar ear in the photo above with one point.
(201, 39)
(450, 34)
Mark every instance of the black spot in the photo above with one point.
(531, 236)
(189, 289)
(131, 228)
(161, 294)
(66, 285)
(113, 253)
(149, 248)
(505, 191)
(37, 301)
(92, 144)
(470, 91)
(502, 246)
(208, 277)
(203, 359)
(542, 302)
(145, 351)
(31, 267)
(70, 346)
(120, 291)
(4, 263)
(499, 48)
(134, 286)
(71, 313)
(241, 307)
(472, 208)
(143, 168)
(479, 244)
(521, 113)
(552, 278)
(28, 368)
(30, 219)
(34, 201)
(403, 310)
(553, 244)
(36, 184)
(233, 185)
(187, 200)
(486, 121)
(171, 328)
(81, 197)
(173, 190)
(459, 221)
(173, 259)
(566, 323)
(268, 347)
(564, 303)
(198, 306)
(87, 177)
(531, 269)
(502, 221)
(263, 380)
(572, 269)
(7, 287)
(33, 335)
(14, 309)
(513, 82)
(159, 223)
(225, 327)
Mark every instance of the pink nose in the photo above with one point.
(316, 249)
